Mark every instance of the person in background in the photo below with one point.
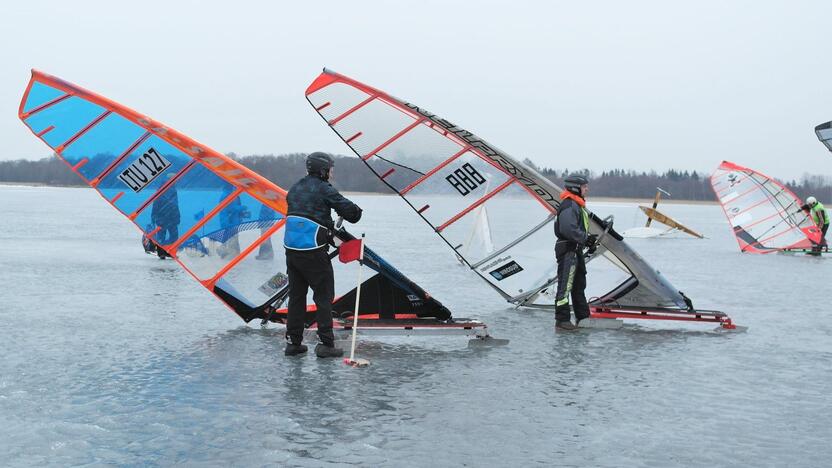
(820, 217)
(230, 219)
(267, 217)
(164, 213)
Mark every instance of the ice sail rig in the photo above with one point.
(445, 173)
(764, 215)
(655, 215)
(824, 133)
(221, 221)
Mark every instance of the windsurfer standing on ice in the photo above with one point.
(819, 216)
(308, 225)
(572, 231)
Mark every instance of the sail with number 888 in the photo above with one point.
(446, 174)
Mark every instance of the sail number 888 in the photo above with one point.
(465, 179)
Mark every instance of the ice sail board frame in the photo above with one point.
(441, 171)
(227, 230)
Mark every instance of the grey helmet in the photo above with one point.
(319, 164)
(573, 183)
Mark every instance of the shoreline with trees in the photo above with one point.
(353, 176)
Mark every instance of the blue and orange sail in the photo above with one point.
(221, 221)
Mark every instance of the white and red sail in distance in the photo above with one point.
(764, 215)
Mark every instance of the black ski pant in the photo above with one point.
(571, 282)
(310, 268)
(168, 234)
(823, 234)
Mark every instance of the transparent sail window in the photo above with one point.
(341, 98)
(242, 223)
(512, 214)
(261, 274)
(455, 187)
(39, 95)
(415, 154)
(525, 266)
(101, 145)
(183, 205)
(68, 117)
(142, 172)
(372, 125)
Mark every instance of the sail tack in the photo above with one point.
(764, 215)
(221, 221)
(446, 174)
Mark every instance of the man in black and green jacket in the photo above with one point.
(572, 231)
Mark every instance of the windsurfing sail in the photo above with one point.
(445, 173)
(660, 217)
(765, 215)
(653, 214)
(221, 221)
(824, 133)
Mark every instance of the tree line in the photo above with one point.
(352, 175)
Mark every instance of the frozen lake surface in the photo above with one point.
(113, 356)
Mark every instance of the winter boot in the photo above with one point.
(324, 351)
(295, 349)
(565, 325)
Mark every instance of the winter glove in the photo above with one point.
(591, 241)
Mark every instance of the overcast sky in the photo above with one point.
(634, 85)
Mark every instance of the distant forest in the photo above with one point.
(352, 175)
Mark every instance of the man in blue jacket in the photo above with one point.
(572, 231)
(307, 237)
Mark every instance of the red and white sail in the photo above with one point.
(765, 216)
(449, 176)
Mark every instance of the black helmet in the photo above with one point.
(319, 164)
(573, 183)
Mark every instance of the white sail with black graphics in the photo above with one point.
(446, 173)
